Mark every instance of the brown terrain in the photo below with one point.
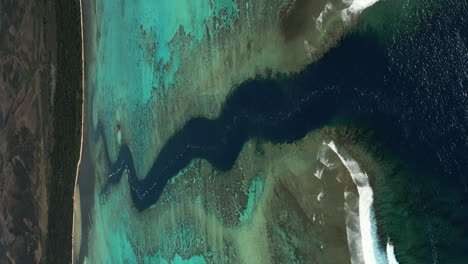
(27, 83)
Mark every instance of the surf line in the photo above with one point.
(372, 254)
(80, 156)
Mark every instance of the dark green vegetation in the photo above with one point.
(67, 129)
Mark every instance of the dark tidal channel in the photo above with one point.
(352, 79)
(283, 109)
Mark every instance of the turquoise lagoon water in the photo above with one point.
(136, 62)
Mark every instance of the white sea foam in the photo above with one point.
(319, 20)
(353, 232)
(326, 162)
(320, 196)
(391, 258)
(355, 7)
(367, 223)
(321, 156)
(318, 173)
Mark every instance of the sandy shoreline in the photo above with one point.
(76, 236)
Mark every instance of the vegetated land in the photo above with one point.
(27, 64)
(67, 129)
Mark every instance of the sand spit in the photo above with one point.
(76, 227)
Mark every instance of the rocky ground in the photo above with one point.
(27, 83)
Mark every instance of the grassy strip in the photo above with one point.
(67, 129)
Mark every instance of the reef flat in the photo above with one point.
(244, 133)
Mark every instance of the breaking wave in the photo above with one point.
(371, 252)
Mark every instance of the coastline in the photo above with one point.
(67, 125)
(76, 195)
